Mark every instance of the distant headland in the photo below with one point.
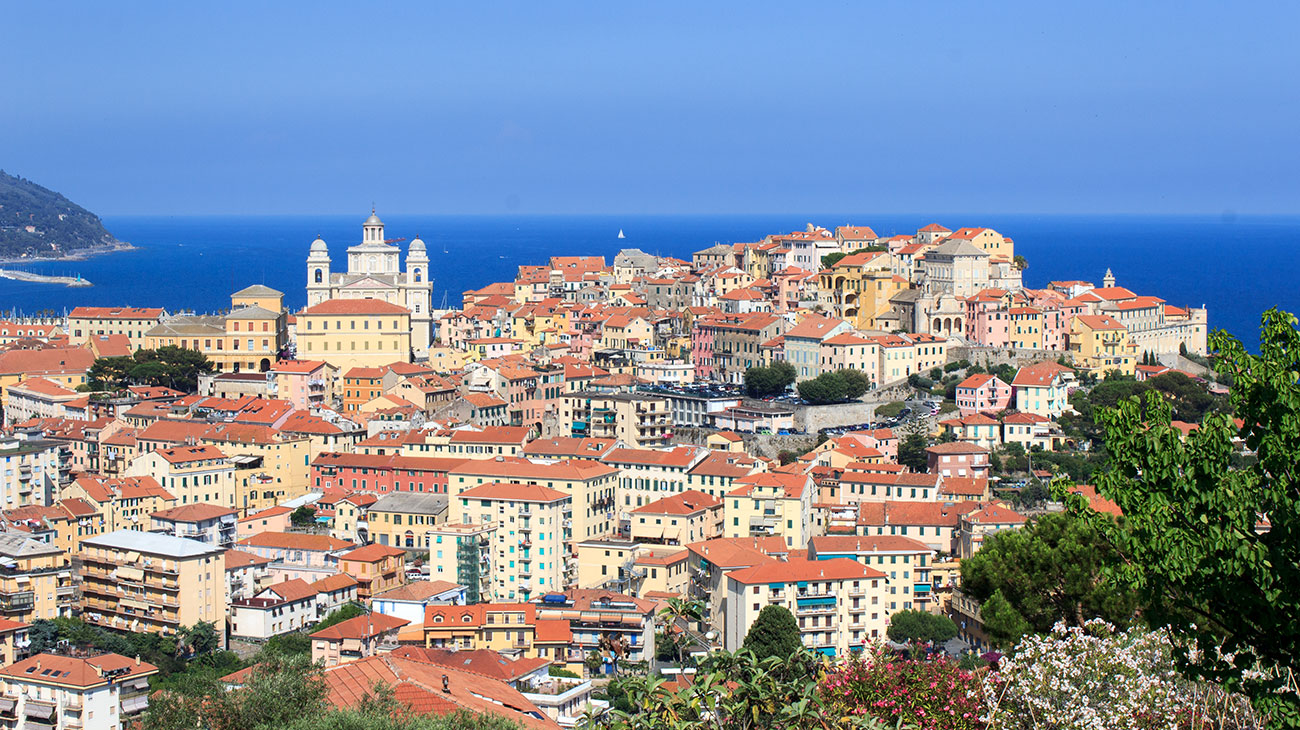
(38, 224)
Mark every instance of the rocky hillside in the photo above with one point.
(40, 223)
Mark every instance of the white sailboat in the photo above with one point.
(620, 233)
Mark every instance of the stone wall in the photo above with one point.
(987, 357)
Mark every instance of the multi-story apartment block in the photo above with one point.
(29, 471)
(711, 560)
(841, 605)
(977, 525)
(1100, 344)
(306, 384)
(350, 333)
(405, 519)
(905, 560)
(614, 625)
(530, 543)
(1043, 388)
(590, 484)
(636, 419)
(148, 582)
(463, 553)
(246, 574)
(206, 523)
(983, 393)
(772, 504)
(297, 555)
(104, 692)
(35, 579)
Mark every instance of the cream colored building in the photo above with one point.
(134, 322)
(35, 580)
(678, 519)
(149, 582)
(462, 553)
(633, 418)
(530, 543)
(100, 692)
(249, 338)
(350, 333)
(841, 605)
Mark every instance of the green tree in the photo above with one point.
(684, 616)
(1052, 569)
(277, 692)
(339, 615)
(830, 259)
(304, 516)
(774, 633)
(201, 638)
(766, 381)
(109, 373)
(1212, 549)
(910, 626)
(856, 383)
(828, 388)
(911, 452)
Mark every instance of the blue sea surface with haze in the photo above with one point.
(1237, 266)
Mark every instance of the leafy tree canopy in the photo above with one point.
(920, 626)
(170, 366)
(774, 633)
(1053, 569)
(765, 381)
(1211, 543)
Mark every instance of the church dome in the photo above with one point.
(373, 220)
(417, 244)
(318, 246)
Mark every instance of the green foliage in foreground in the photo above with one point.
(1192, 543)
(920, 626)
(1051, 570)
(774, 633)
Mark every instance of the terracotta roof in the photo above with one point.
(295, 541)
(355, 306)
(685, 503)
(476, 661)
(361, 627)
(116, 312)
(965, 486)
(76, 671)
(187, 454)
(372, 553)
(419, 590)
(799, 569)
(552, 630)
(516, 468)
(295, 589)
(868, 544)
(732, 552)
(236, 559)
(193, 512)
(268, 512)
(336, 582)
(994, 514)
(514, 492)
(956, 447)
(943, 514)
(1039, 374)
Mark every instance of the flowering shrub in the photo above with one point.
(932, 694)
(1097, 677)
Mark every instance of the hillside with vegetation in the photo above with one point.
(36, 222)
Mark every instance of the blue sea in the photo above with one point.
(1237, 266)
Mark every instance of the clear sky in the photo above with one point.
(663, 107)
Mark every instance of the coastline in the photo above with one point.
(80, 255)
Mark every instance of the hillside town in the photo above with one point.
(586, 472)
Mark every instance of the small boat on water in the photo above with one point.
(620, 233)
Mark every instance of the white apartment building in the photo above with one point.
(529, 544)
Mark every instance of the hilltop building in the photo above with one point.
(374, 273)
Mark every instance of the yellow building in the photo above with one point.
(690, 516)
(149, 582)
(1025, 329)
(350, 333)
(193, 474)
(278, 465)
(507, 627)
(376, 568)
(406, 519)
(858, 288)
(35, 580)
(772, 504)
(249, 338)
(122, 504)
(1099, 343)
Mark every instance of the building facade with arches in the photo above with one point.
(375, 271)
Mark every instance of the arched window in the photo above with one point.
(418, 276)
(320, 276)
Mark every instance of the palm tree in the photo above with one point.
(678, 611)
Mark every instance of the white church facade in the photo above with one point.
(375, 272)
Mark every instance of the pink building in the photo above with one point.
(304, 383)
(987, 321)
(958, 459)
(983, 394)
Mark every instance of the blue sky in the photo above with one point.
(540, 107)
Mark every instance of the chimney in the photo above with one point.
(446, 684)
